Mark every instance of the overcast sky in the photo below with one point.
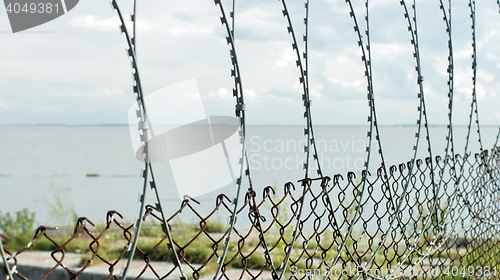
(74, 70)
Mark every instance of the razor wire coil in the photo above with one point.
(428, 205)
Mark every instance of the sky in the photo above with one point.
(74, 69)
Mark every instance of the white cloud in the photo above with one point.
(189, 29)
(287, 59)
(480, 92)
(356, 85)
(462, 54)
(3, 105)
(188, 38)
(496, 116)
(347, 78)
(105, 92)
(492, 57)
(93, 22)
(111, 92)
(390, 51)
(486, 39)
(485, 75)
(224, 92)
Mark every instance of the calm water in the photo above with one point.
(44, 168)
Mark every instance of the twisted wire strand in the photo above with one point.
(447, 17)
(4, 260)
(450, 144)
(473, 109)
(307, 113)
(240, 113)
(232, 13)
(302, 79)
(474, 114)
(302, 64)
(373, 108)
(412, 28)
(365, 52)
(138, 225)
(309, 132)
(374, 128)
(395, 208)
(144, 126)
(435, 187)
(254, 213)
(133, 39)
(142, 132)
(373, 119)
(458, 192)
(253, 206)
(386, 180)
(449, 149)
(472, 6)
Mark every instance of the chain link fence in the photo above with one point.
(432, 218)
(344, 231)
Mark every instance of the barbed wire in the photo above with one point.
(240, 114)
(144, 127)
(427, 215)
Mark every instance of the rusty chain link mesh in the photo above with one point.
(462, 232)
(432, 218)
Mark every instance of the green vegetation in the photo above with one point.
(60, 211)
(254, 261)
(19, 227)
(483, 253)
(194, 246)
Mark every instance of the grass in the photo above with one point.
(483, 253)
(197, 252)
(19, 226)
(194, 246)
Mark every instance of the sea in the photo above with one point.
(60, 172)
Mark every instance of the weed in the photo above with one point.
(19, 226)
